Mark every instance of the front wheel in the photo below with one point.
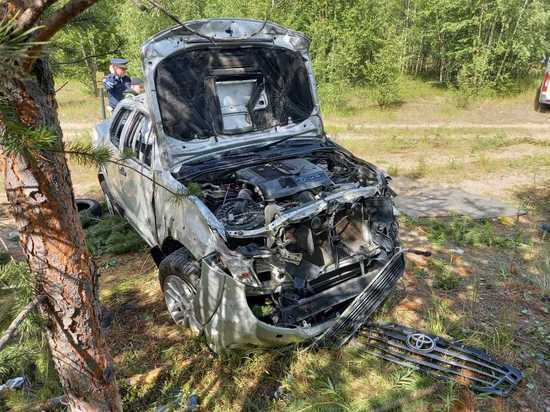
(179, 278)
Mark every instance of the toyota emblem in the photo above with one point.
(420, 342)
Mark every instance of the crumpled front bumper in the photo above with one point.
(222, 308)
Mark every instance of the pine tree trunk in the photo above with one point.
(40, 193)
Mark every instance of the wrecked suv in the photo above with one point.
(265, 231)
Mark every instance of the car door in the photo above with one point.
(137, 177)
(116, 132)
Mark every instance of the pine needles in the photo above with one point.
(27, 354)
(14, 46)
(112, 236)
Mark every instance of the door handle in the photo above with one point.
(122, 171)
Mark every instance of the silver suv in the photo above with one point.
(265, 231)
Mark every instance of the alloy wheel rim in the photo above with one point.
(179, 296)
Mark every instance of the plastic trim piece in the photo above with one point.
(437, 356)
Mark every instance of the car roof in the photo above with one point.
(135, 103)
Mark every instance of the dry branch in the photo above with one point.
(32, 13)
(54, 23)
(19, 318)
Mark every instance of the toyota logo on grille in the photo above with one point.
(420, 342)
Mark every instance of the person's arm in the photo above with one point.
(109, 82)
(127, 82)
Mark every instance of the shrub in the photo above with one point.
(474, 79)
(420, 170)
(332, 97)
(467, 231)
(443, 275)
(112, 235)
(445, 279)
(384, 75)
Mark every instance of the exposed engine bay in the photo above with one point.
(316, 229)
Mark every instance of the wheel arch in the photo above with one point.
(168, 246)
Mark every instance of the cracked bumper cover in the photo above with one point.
(222, 308)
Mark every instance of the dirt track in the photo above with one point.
(73, 126)
(451, 125)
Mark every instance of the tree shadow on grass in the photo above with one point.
(159, 363)
(483, 309)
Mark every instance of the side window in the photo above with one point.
(135, 136)
(118, 126)
(147, 150)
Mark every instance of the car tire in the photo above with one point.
(88, 206)
(179, 276)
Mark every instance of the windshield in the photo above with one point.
(213, 91)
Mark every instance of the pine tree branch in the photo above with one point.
(57, 21)
(32, 13)
(82, 154)
(19, 318)
(54, 23)
(30, 142)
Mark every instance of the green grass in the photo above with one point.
(492, 142)
(422, 102)
(76, 105)
(444, 277)
(464, 231)
(343, 104)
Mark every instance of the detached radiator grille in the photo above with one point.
(364, 305)
(439, 357)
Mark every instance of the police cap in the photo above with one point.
(117, 61)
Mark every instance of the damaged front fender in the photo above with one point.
(222, 309)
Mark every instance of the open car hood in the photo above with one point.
(213, 85)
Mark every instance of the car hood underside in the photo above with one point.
(216, 83)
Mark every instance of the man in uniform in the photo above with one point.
(117, 81)
(136, 87)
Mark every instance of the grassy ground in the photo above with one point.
(487, 284)
(75, 106)
(427, 104)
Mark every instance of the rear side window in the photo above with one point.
(146, 150)
(134, 136)
(137, 143)
(118, 125)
